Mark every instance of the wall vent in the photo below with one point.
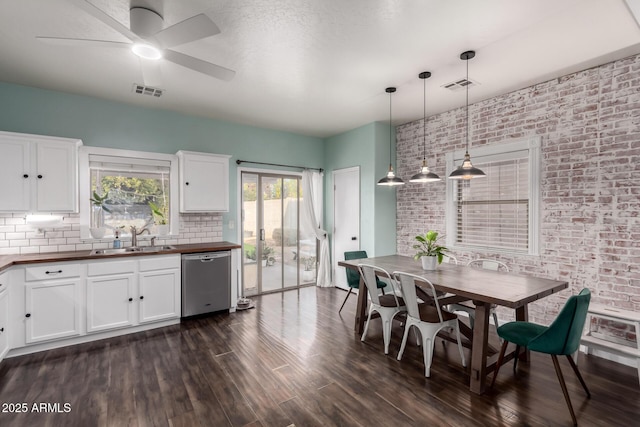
(147, 90)
(460, 84)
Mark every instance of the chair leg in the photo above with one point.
(427, 351)
(556, 365)
(499, 362)
(366, 327)
(495, 322)
(575, 369)
(404, 341)
(345, 300)
(515, 359)
(386, 334)
(457, 328)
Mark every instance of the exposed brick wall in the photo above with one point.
(590, 180)
(17, 237)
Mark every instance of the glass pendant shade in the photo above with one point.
(390, 179)
(466, 170)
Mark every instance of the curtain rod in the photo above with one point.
(276, 164)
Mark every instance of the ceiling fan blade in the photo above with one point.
(199, 65)
(106, 19)
(61, 41)
(194, 28)
(151, 72)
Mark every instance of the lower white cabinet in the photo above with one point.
(4, 322)
(68, 302)
(52, 309)
(110, 302)
(159, 295)
(126, 293)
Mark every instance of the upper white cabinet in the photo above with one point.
(38, 173)
(204, 182)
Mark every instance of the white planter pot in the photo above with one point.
(429, 262)
(162, 229)
(98, 232)
(308, 275)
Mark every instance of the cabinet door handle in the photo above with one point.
(26, 175)
(141, 297)
(186, 183)
(27, 315)
(53, 272)
(1, 329)
(39, 176)
(130, 299)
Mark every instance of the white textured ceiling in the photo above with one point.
(320, 67)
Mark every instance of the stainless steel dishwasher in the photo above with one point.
(206, 282)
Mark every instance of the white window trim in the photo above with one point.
(85, 185)
(533, 145)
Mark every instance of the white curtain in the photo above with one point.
(311, 222)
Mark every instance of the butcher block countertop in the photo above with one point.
(7, 261)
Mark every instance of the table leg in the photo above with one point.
(479, 348)
(361, 308)
(522, 315)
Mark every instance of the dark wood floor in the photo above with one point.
(294, 361)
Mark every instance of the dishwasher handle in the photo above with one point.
(207, 257)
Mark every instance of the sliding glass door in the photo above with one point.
(276, 254)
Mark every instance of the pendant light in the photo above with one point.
(466, 170)
(424, 175)
(390, 179)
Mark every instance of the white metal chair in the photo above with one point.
(450, 259)
(487, 264)
(386, 305)
(428, 319)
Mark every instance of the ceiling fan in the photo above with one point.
(150, 41)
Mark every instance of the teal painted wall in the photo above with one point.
(110, 124)
(368, 148)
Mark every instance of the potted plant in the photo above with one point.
(309, 268)
(97, 212)
(267, 256)
(159, 218)
(429, 251)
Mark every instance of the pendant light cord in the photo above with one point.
(424, 120)
(390, 130)
(467, 102)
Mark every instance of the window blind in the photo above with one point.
(494, 211)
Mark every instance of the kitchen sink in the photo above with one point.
(144, 249)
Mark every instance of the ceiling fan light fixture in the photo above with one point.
(146, 51)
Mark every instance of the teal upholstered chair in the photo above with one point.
(562, 337)
(353, 277)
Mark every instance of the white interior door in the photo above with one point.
(346, 219)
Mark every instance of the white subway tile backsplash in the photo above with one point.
(16, 237)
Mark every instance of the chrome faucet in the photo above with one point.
(135, 233)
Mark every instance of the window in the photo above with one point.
(499, 212)
(121, 188)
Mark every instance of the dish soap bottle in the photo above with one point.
(117, 243)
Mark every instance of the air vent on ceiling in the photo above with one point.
(460, 84)
(147, 90)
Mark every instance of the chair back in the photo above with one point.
(353, 277)
(489, 264)
(450, 259)
(369, 273)
(408, 287)
(563, 336)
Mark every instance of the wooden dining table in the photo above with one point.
(483, 287)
